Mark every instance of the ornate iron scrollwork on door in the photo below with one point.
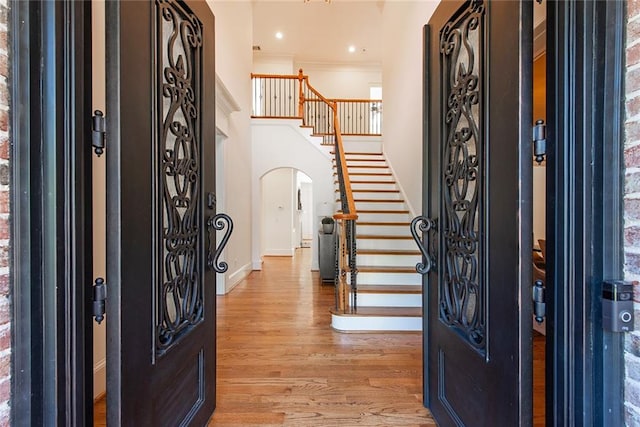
(217, 223)
(462, 289)
(178, 168)
(422, 225)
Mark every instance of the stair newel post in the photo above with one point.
(301, 95)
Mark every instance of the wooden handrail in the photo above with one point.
(274, 76)
(355, 100)
(316, 93)
(343, 164)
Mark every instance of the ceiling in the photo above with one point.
(321, 32)
(318, 31)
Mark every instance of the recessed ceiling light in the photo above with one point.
(279, 35)
(352, 49)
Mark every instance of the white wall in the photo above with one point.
(271, 64)
(308, 226)
(282, 144)
(233, 68)
(278, 212)
(342, 80)
(402, 86)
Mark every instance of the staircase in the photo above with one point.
(389, 296)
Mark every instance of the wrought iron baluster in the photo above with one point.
(351, 242)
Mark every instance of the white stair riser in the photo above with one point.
(379, 278)
(377, 186)
(375, 260)
(380, 178)
(356, 169)
(363, 162)
(362, 155)
(376, 196)
(381, 194)
(385, 230)
(384, 206)
(383, 217)
(389, 300)
(357, 158)
(405, 244)
(374, 323)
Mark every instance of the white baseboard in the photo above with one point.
(100, 378)
(257, 265)
(238, 276)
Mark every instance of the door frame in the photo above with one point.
(584, 221)
(52, 369)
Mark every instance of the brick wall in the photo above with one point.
(5, 229)
(632, 207)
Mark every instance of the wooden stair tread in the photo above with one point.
(388, 269)
(382, 236)
(382, 311)
(377, 200)
(363, 160)
(371, 191)
(368, 174)
(368, 182)
(368, 166)
(390, 289)
(382, 211)
(383, 224)
(355, 153)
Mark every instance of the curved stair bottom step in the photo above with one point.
(372, 319)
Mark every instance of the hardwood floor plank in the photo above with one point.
(276, 344)
(281, 364)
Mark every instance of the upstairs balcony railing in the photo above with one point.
(293, 97)
(280, 96)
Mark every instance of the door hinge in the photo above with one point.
(539, 304)
(539, 140)
(98, 133)
(99, 299)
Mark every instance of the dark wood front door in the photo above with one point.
(160, 196)
(478, 292)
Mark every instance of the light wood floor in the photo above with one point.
(280, 363)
